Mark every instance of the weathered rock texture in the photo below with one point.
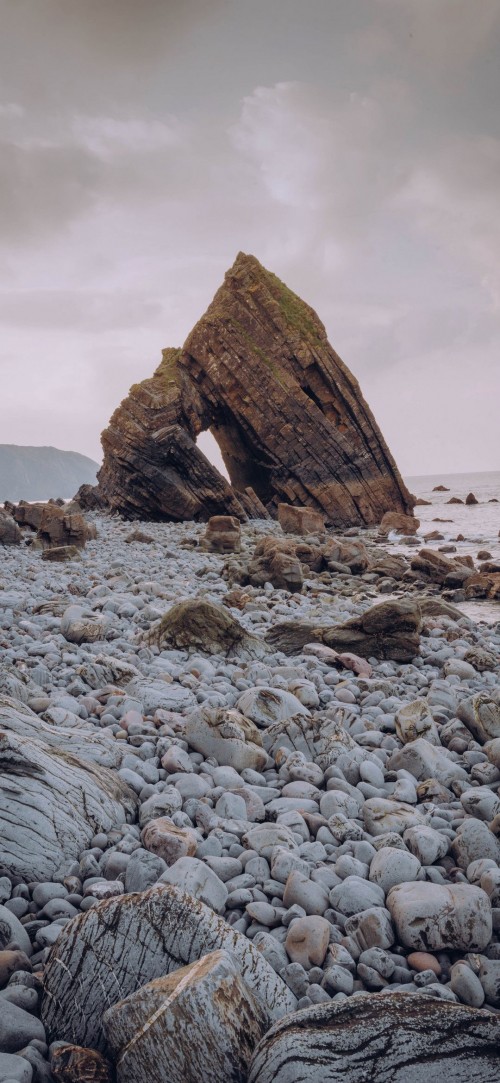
(388, 630)
(51, 805)
(384, 1039)
(109, 952)
(199, 1023)
(289, 418)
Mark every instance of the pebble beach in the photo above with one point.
(344, 822)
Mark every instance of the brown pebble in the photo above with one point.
(74, 1064)
(10, 961)
(423, 960)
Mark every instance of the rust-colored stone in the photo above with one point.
(74, 1064)
(300, 520)
(289, 418)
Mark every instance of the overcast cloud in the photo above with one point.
(353, 146)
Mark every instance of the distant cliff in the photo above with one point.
(37, 473)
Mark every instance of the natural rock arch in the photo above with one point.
(290, 420)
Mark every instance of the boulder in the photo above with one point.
(82, 740)
(424, 760)
(222, 534)
(414, 720)
(481, 714)
(304, 521)
(197, 879)
(79, 625)
(471, 499)
(277, 562)
(265, 706)
(199, 1023)
(322, 739)
(125, 942)
(389, 630)
(51, 805)
(395, 522)
(9, 530)
(289, 418)
(225, 734)
(393, 1037)
(440, 917)
(197, 624)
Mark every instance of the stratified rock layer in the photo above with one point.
(289, 418)
(384, 1039)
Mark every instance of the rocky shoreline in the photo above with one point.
(254, 836)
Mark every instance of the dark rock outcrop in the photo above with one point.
(9, 530)
(388, 630)
(289, 418)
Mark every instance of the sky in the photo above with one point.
(352, 146)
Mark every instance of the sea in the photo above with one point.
(478, 523)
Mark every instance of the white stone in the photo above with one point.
(437, 917)
(232, 739)
(265, 706)
(194, 877)
(392, 866)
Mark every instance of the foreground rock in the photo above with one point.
(107, 953)
(289, 418)
(200, 1023)
(51, 805)
(389, 630)
(380, 1038)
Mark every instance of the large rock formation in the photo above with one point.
(289, 418)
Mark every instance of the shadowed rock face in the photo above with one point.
(289, 418)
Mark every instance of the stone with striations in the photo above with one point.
(129, 940)
(199, 1023)
(379, 1038)
(289, 418)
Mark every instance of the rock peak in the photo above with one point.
(288, 415)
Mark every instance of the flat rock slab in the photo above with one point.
(110, 951)
(393, 1038)
(84, 740)
(51, 804)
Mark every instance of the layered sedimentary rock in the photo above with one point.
(288, 416)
